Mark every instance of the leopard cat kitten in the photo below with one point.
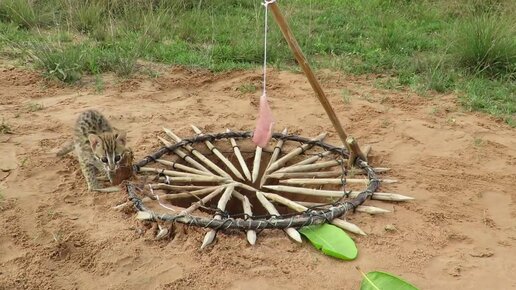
(99, 147)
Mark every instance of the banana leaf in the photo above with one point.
(331, 240)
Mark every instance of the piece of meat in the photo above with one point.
(263, 132)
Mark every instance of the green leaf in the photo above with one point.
(331, 240)
(384, 281)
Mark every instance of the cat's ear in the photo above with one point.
(120, 137)
(94, 141)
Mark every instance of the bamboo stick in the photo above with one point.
(337, 193)
(185, 156)
(360, 208)
(185, 177)
(203, 201)
(385, 196)
(337, 181)
(313, 158)
(173, 196)
(256, 163)
(219, 154)
(310, 167)
(280, 162)
(244, 186)
(240, 158)
(274, 156)
(197, 154)
(172, 172)
(175, 187)
(180, 166)
(291, 232)
(350, 227)
(354, 151)
(301, 60)
(322, 174)
(246, 205)
(210, 235)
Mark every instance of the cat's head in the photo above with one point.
(108, 148)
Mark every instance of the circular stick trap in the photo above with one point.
(223, 181)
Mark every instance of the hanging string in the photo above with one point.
(266, 27)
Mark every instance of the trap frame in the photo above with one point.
(311, 170)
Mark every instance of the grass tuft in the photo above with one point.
(487, 45)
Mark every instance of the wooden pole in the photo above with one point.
(298, 54)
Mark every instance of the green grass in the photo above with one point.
(467, 46)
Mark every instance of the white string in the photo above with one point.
(159, 201)
(266, 27)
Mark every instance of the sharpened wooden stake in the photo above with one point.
(246, 205)
(198, 154)
(203, 201)
(291, 232)
(256, 163)
(313, 158)
(337, 181)
(245, 186)
(184, 177)
(173, 196)
(337, 193)
(219, 154)
(318, 174)
(185, 156)
(301, 60)
(310, 167)
(360, 208)
(180, 166)
(275, 153)
(350, 227)
(210, 235)
(298, 150)
(240, 158)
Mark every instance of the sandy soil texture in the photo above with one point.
(459, 233)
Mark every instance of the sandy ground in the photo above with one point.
(460, 232)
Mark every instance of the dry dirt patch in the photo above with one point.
(461, 167)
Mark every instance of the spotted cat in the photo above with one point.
(100, 148)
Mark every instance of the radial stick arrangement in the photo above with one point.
(224, 182)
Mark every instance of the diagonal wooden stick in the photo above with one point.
(345, 225)
(293, 233)
(198, 154)
(210, 235)
(301, 60)
(180, 166)
(185, 156)
(173, 196)
(313, 158)
(239, 156)
(184, 177)
(203, 201)
(280, 162)
(219, 155)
